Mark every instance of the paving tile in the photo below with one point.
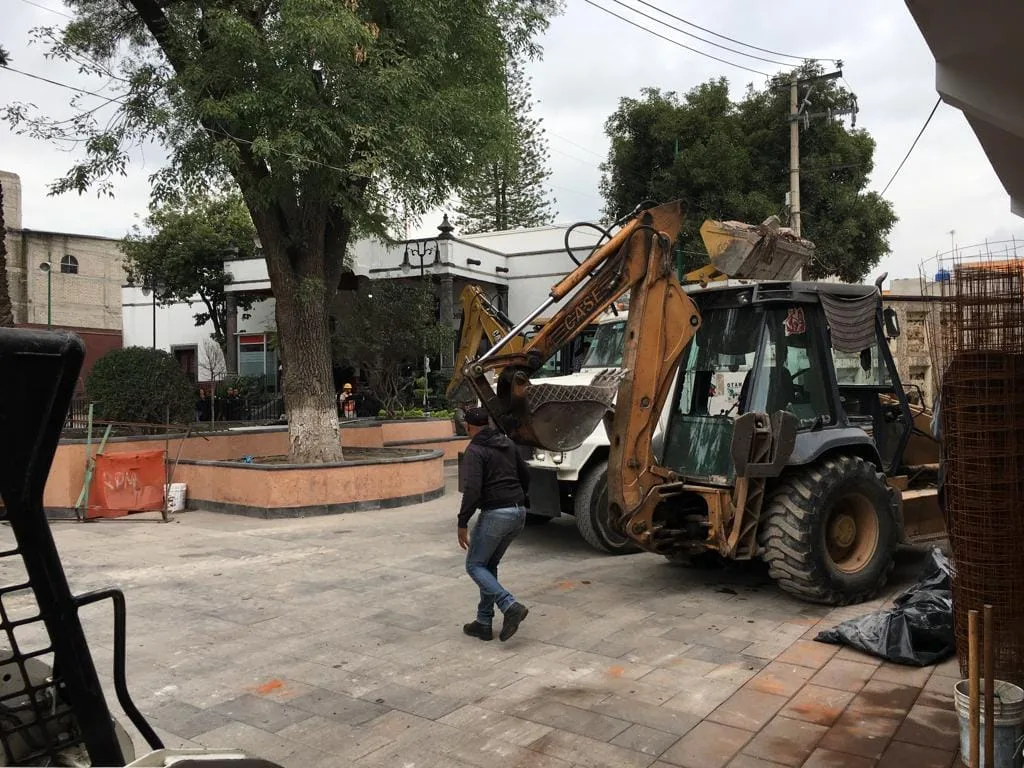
(786, 741)
(335, 738)
(852, 654)
(844, 675)
(572, 719)
(659, 718)
(256, 741)
(948, 668)
(816, 704)
(780, 678)
(881, 699)
(338, 706)
(931, 727)
(749, 761)
(184, 720)
(412, 700)
(807, 653)
(914, 677)
(580, 750)
(865, 736)
(709, 745)
(824, 758)
(261, 713)
(470, 749)
(701, 696)
(640, 738)
(938, 692)
(747, 709)
(903, 755)
(489, 725)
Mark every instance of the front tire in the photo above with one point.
(591, 512)
(830, 531)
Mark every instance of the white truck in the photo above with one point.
(575, 482)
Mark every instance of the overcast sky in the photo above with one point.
(591, 60)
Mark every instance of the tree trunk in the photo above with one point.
(6, 313)
(304, 340)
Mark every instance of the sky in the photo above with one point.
(590, 61)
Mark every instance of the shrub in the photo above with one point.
(140, 384)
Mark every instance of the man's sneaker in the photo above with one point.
(513, 617)
(476, 629)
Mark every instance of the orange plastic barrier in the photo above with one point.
(127, 482)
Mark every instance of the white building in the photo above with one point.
(515, 268)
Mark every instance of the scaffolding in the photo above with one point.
(977, 344)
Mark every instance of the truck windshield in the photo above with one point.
(606, 347)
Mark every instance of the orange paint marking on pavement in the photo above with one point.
(269, 687)
(616, 672)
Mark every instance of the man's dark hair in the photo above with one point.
(477, 417)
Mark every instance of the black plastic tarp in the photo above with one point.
(917, 630)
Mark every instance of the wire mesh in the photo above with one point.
(980, 352)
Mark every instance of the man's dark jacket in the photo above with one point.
(494, 475)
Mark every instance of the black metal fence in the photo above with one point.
(265, 409)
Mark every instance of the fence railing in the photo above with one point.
(225, 410)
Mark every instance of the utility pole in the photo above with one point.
(798, 114)
(794, 156)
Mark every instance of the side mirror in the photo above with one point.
(892, 323)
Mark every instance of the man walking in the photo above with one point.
(495, 480)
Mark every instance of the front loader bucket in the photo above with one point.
(559, 417)
(748, 252)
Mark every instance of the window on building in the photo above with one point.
(69, 265)
(257, 358)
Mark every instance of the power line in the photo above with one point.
(63, 85)
(51, 10)
(695, 37)
(732, 39)
(675, 42)
(591, 163)
(570, 141)
(919, 133)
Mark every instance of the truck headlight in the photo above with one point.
(557, 457)
(539, 456)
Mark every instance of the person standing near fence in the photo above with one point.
(347, 402)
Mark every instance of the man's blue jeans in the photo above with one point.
(494, 531)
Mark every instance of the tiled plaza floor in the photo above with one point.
(337, 641)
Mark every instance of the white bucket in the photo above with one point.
(1008, 721)
(176, 497)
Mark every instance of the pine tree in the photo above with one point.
(6, 314)
(508, 190)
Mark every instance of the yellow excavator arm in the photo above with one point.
(483, 326)
(662, 320)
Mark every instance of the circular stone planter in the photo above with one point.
(387, 477)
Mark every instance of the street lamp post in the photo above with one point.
(47, 268)
(150, 289)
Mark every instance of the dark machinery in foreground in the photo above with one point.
(52, 708)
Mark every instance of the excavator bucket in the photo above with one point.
(765, 251)
(559, 417)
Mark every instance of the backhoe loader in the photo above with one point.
(787, 432)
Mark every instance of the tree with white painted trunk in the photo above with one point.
(333, 117)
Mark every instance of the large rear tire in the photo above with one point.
(830, 531)
(591, 512)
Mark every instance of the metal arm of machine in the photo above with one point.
(661, 322)
(481, 322)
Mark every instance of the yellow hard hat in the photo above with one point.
(347, 386)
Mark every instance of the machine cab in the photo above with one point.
(816, 351)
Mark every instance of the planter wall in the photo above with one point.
(67, 474)
(283, 490)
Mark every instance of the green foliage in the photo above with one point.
(182, 253)
(731, 160)
(508, 189)
(138, 384)
(334, 118)
(414, 413)
(387, 326)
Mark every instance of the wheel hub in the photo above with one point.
(843, 530)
